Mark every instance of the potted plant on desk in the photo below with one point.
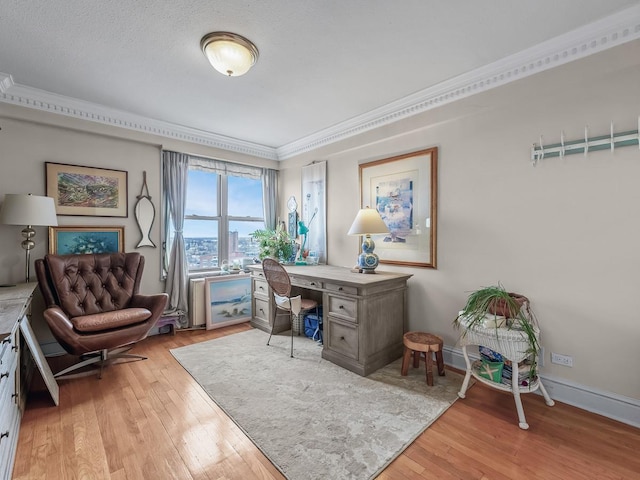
(276, 244)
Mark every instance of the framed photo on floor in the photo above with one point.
(228, 300)
(89, 191)
(78, 240)
(404, 190)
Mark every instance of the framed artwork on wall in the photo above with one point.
(403, 189)
(313, 213)
(88, 191)
(78, 240)
(228, 300)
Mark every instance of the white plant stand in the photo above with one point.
(511, 344)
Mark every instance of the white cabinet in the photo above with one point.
(18, 352)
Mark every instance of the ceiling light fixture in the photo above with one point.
(229, 53)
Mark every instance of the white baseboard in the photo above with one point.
(617, 407)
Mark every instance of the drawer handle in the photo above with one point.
(262, 310)
(14, 396)
(341, 307)
(340, 289)
(341, 338)
(14, 348)
(5, 434)
(5, 374)
(6, 340)
(260, 287)
(313, 284)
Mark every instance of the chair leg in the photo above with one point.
(273, 325)
(89, 361)
(291, 315)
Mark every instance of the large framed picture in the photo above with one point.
(228, 300)
(89, 191)
(77, 240)
(403, 189)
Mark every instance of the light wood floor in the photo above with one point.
(151, 420)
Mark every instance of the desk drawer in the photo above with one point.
(260, 287)
(306, 283)
(257, 274)
(342, 338)
(261, 309)
(9, 428)
(332, 287)
(345, 308)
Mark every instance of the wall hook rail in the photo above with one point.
(589, 144)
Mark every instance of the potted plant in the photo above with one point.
(275, 244)
(495, 300)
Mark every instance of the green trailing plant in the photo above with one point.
(495, 300)
(274, 243)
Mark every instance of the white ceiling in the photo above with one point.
(326, 67)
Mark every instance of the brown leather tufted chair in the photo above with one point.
(94, 309)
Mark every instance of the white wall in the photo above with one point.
(565, 233)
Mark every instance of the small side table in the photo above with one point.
(512, 345)
(171, 321)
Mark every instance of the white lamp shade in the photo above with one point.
(368, 221)
(23, 209)
(229, 54)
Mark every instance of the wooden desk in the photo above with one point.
(364, 315)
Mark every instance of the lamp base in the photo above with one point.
(367, 260)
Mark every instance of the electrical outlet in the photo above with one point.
(560, 359)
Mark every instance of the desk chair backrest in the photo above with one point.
(277, 277)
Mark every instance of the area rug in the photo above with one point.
(311, 418)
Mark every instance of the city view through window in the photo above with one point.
(208, 218)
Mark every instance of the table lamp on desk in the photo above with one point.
(367, 222)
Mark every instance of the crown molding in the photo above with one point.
(24, 96)
(598, 36)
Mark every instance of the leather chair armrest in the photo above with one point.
(154, 303)
(55, 316)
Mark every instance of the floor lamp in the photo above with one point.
(29, 210)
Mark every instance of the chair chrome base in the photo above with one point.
(100, 357)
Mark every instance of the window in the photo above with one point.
(221, 212)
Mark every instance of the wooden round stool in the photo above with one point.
(419, 342)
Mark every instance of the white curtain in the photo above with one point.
(174, 177)
(270, 197)
(224, 168)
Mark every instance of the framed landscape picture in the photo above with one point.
(78, 240)
(89, 191)
(228, 300)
